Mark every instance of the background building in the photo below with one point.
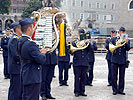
(102, 14)
(16, 10)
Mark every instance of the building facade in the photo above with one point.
(16, 10)
(102, 14)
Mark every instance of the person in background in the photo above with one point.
(32, 59)
(93, 47)
(118, 63)
(108, 56)
(14, 66)
(4, 46)
(80, 66)
(47, 75)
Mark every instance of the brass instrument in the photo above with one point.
(119, 43)
(80, 46)
(47, 22)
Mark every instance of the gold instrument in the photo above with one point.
(47, 21)
(80, 45)
(119, 43)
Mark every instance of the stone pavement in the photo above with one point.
(99, 91)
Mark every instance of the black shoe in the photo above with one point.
(76, 95)
(66, 84)
(122, 93)
(50, 97)
(114, 93)
(83, 94)
(61, 85)
(109, 85)
(54, 76)
(89, 84)
(7, 78)
(44, 98)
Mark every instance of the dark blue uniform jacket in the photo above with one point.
(93, 47)
(67, 52)
(13, 56)
(51, 58)
(4, 45)
(81, 57)
(108, 56)
(119, 55)
(32, 60)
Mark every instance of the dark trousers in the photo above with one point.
(109, 72)
(31, 92)
(89, 78)
(14, 92)
(115, 68)
(47, 75)
(6, 73)
(79, 78)
(63, 66)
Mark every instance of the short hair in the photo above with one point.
(24, 28)
(19, 26)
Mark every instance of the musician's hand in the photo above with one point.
(43, 50)
(127, 41)
(88, 41)
(48, 47)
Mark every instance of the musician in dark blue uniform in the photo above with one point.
(47, 75)
(14, 92)
(4, 46)
(63, 64)
(89, 79)
(31, 60)
(118, 61)
(108, 56)
(80, 66)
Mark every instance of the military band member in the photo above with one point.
(63, 64)
(31, 60)
(4, 46)
(93, 47)
(118, 61)
(14, 92)
(47, 75)
(80, 66)
(108, 56)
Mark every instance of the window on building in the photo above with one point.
(104, 17)
(82, 3)
(98, 5)
(97, 17)
(81, 16)
(73, 2)
(130, 5)
(112, 18)
(73, 15)
(113, 6)
(104, 6)
(0, 25)
(90, 5)
(14, 10)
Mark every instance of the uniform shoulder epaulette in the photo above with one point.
(4, 36)
(16, 37)
(30, 40)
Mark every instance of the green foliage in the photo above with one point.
(5, 6)
(33, 5)
(58, 3)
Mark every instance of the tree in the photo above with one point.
(58, 3)
(5, 6)
(33, 5)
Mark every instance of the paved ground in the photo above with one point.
(99, 91)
